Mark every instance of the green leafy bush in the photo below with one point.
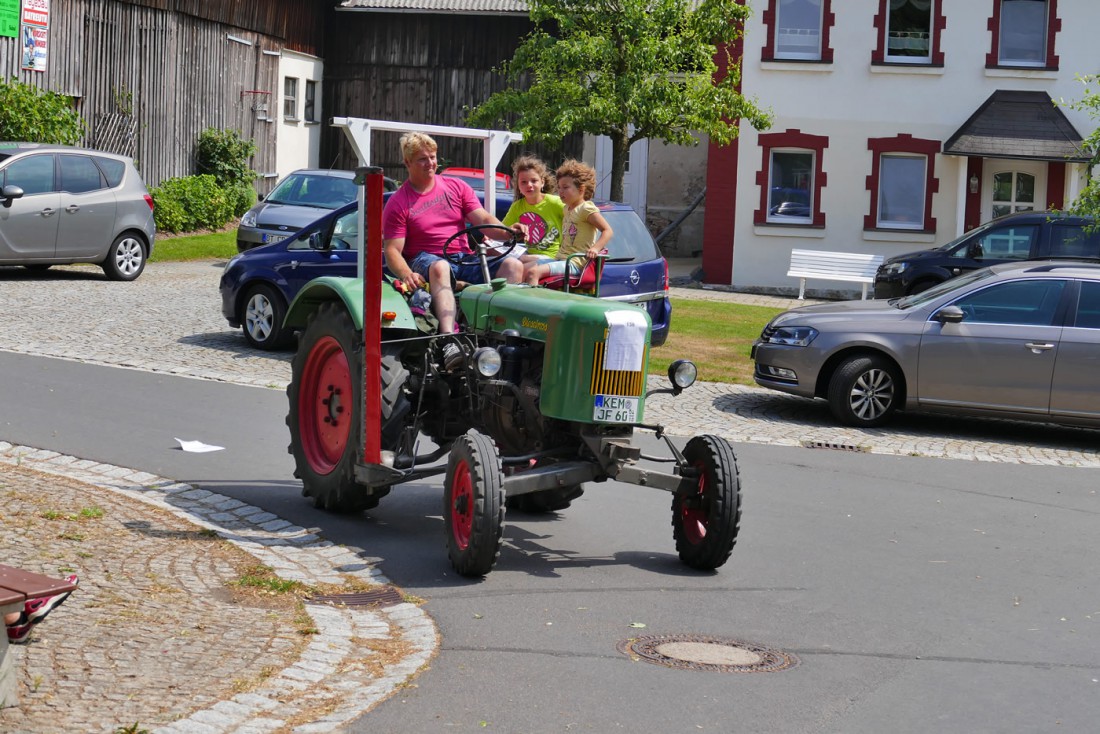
(190, 203)
(28, 114)
(224, 155)
(241, 198)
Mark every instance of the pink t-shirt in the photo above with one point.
(427, 220)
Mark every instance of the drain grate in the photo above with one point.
(835, 446)
(700, 652)
(387, 596)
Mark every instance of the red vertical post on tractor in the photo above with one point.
(372, 320)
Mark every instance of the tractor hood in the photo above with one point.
(536, 313)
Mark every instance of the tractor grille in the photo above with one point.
(615, 382)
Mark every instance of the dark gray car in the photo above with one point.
(1018, 340)
(300, 199)
(61, 205)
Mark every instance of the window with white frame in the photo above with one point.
(798, 29)
(1013, 191)
(290, 98)
(791, 186)
(909, 31)
(310, 111)
(901, 190)
(1023, 33)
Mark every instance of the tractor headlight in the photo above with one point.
(487, 362)
(682, 373)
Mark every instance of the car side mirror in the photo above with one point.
(10, 194)
(949, 315)
(975, 251)
(317, 241)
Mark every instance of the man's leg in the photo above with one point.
(511, 269)
(443, 295)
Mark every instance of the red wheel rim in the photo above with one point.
(695, 519)
(462, 506)
(325, 409)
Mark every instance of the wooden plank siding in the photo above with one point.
(423, 68)
(148, 76)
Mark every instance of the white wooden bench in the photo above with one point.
(854, 267)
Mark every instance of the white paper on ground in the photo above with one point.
(625, 340)
(198, 447)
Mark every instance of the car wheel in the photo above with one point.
(126, 258)
(261, 315)
(864, 391)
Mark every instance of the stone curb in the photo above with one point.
(328, 671)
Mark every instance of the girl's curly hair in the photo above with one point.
(583, 175)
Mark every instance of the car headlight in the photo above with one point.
(896, 268)
(793, 336)
(249, 219)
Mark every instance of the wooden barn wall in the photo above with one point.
(423, 68)
(148, 80)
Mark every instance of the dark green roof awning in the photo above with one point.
(1013, 124)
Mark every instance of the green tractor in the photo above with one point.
(549, 399)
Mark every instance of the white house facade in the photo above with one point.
(898, 125)
(298, 112)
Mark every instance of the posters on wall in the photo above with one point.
(34, 33)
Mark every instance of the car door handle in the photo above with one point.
(72, 208)
(48, 212)
(1037, 348)
(294, 264)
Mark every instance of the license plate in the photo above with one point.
(272, 238)
(615, 409)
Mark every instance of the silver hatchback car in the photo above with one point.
(1019, 340)
(61, 205)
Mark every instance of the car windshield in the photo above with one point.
(322, 192)
(919, 299)
(631, 238)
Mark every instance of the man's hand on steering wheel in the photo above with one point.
(516, 234)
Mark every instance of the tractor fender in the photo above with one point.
(350, 291)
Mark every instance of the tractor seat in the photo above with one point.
(587, 279)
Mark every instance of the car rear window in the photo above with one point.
(1071, 240)
(631, 238)
(113, 170)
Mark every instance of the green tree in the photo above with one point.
(627, 69)
(1088, 202)
(31, 115)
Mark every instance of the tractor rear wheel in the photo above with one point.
(473, 504)
(705, 521)
(325, 417)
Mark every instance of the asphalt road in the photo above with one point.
(918, 594)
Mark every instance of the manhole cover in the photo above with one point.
(699, 652)
(387, 596)
(834, 446)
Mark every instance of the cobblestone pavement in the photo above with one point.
(161, 634)
(153, 635)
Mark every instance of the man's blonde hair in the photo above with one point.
(413, 143)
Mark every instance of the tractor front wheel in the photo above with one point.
(705, 521)
(473, 504)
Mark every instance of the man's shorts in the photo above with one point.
(423, 262)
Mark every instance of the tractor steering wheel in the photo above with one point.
(472, 258)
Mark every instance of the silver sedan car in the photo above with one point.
(1020, 340)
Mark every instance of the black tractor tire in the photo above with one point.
(126, 258)
(551, 500)
(473, 504)
(261, 314)
(705, 522)
(864, 391)
(325, 415)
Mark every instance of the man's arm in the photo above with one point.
(481, 216)
(395, 260)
